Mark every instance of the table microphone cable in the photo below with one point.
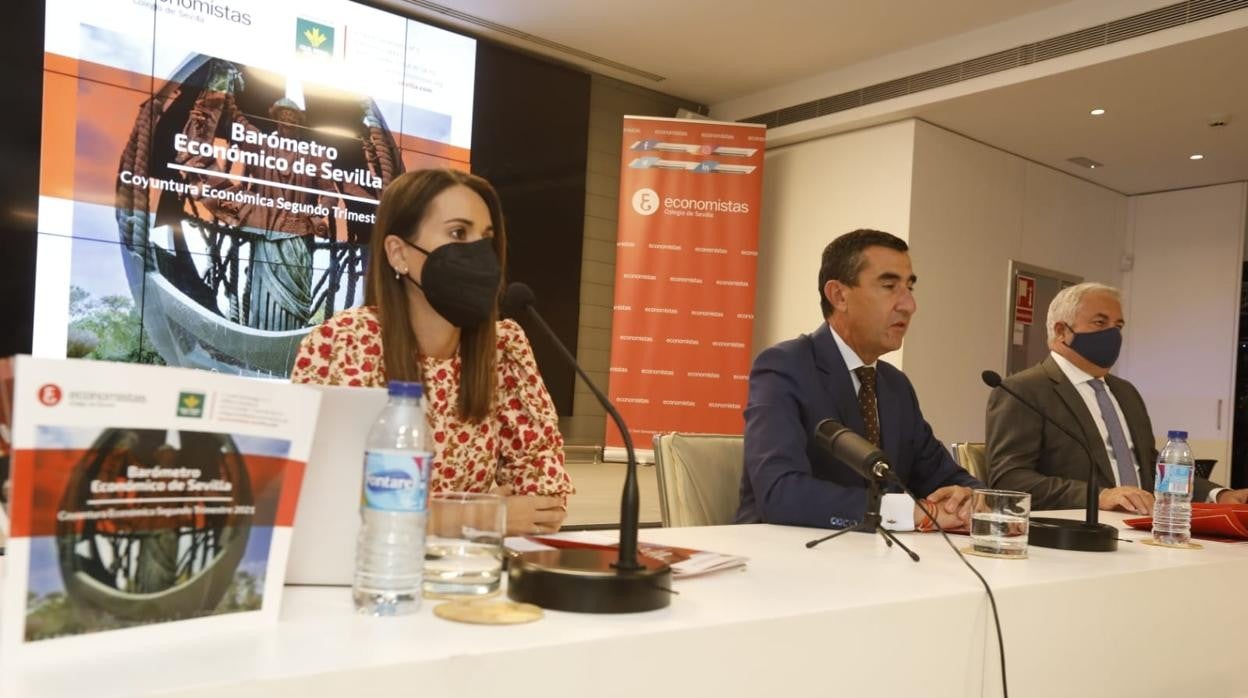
(996, 619)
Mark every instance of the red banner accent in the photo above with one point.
(42, 478)
(1024, 299)
(686, 265)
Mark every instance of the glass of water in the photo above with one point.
(999, 521)
(464, 545)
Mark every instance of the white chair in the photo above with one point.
(699, 478)
(973, 457)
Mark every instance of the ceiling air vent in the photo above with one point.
(1147, 22)
(841, 102)
(1167, 17)
(886, 90)
(992, 63)
(1200, 9)
(1066, 44)
(935, 78)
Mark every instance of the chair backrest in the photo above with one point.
(699, 478)
(972, 456)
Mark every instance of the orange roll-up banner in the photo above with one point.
(685, 267)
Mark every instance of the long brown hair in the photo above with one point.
(403, 206)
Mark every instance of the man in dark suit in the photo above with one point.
(866, 292)
(1074, 387)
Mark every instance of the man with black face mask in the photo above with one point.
(1074, 387)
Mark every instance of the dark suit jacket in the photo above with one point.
(788, 478)
(1029, 455)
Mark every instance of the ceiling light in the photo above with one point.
(1097, 112)
(1088, 163)
(1195, 156)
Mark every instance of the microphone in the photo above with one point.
(518, 298)
(864, 458)
(583, 580)
(851, 449)
(1047, 532)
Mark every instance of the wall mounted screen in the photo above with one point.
(210, 170)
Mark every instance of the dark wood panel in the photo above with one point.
(530, 137)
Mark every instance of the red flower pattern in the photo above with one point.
(468, 457)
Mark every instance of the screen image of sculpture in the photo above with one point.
(216, 197)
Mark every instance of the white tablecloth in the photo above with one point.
(849, 617)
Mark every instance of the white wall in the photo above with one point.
(813, 192)
(966, 209)
(1183, 312)
(974, 208)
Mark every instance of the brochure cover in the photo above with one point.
(144, 495)
(685, 562)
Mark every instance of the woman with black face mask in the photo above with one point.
(431, 315)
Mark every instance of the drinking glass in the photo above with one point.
(999, 520)
(464, 544)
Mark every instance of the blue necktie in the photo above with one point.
(1117, 438)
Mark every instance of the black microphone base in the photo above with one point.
(1069, 534)
(584, 581)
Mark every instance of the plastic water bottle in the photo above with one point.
(390, 552)
(1172, 508)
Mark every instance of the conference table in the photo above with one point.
(851, 617)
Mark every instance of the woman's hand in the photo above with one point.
(529, 514)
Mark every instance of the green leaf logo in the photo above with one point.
(191, 404)
(315, 37)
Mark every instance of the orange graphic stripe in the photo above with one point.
(60, 119)
(413, 160)
(22, 496)
(42, 477)
(292, 483)
(139, 82)
(434, 148)
(97, 72)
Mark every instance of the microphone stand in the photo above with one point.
(630, 499)
(1089, 535)
(872, 522)
(587, 580)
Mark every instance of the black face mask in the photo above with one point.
(1100, 347)
(460, 280)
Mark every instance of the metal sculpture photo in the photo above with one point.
(152, 526)
(244, 203)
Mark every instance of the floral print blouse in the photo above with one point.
(518, 444)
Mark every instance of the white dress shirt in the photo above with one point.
(896, 508)
(1082, 382)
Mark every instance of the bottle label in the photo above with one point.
(396, 481)
(1173, 478)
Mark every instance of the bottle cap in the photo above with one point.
(1176, 434)
(407, 389)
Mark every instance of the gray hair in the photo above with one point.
(1066, 303)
